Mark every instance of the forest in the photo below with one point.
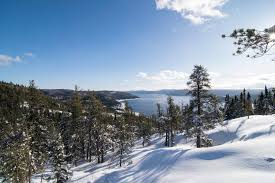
(39, 132)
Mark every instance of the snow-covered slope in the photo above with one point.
(244, 152)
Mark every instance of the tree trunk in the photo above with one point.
(30, 170)
(199, 115)
(97, 152)
(102, 155)
(198, 137)
(90, 154)
(41, 178)
(143, 142)
(166, 142)
(171, 134)
(89, 151)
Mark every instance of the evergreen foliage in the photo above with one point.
(199, 83)
(36, 131)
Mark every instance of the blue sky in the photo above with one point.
(129, 44)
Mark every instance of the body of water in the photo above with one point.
(147, 103)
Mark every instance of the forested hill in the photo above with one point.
(52, 96)
(9, 90)
(108, 98)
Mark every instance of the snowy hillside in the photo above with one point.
(245, 152)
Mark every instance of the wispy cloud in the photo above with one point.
(246, 80)
(177, 80)
(196, 11)
(165, 75)
(8, 59)
(29, 54)
(161, 79)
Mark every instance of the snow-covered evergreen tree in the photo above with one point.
(76, 129)
(144, 129)
(61, 173)
(199, 84)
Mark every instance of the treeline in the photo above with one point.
(244, 105)
(38, 132)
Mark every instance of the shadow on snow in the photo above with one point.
(154, 165)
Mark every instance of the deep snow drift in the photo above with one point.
(244, 152)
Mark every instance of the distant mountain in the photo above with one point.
(108, 98)
(171, 92)
(183, 92)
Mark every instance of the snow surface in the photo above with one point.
(244, 152)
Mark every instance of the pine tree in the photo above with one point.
(265, 92)
(160, 121)
(172, 119)
(98, 129)
(240, 106)
(122, 137)
(238, 110)
(93, 125)
(13, 154)
(13, 140)
(61, 173)
(212, 112)
(187, 115)
(76, 129)
(130, 118)
(36, 131)
(199, 83)
(259, 104)
(227, 107)
(144, 129)
(266, 102)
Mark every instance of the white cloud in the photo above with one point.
(164, 75)
(162, 79)
(246, 80)
(142, 75)
(7, 59)
(196, 11)
(171, 79)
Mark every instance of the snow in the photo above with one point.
(244, 152)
